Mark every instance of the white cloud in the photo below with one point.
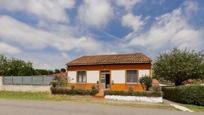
(65, 55)
(190, 7)
(44, 60)
(170, 30)
(8, 49)
(15, 31)
(33, 38)
(36, 40)
(95, 13)
(127, 4)
(43, 9)
(134, 22)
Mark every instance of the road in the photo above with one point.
(23, 107)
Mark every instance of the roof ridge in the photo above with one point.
(114, 54)
(138, 57)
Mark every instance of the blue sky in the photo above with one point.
(50, 33)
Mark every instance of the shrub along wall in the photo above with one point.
(73, 91)
(185, 94)
(134, 93)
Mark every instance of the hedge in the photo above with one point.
(193, 94)
(134, 93)
(66, 91)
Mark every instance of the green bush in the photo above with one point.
(147, 81)
(66, 91)
(134, 93)
(94, 91)
(156, 88)
(59, 81)
(193, 94)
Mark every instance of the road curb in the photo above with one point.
(182, 108)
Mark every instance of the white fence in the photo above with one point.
(23, 87)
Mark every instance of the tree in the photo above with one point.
(147, 81)
(57, 71)
(43, 72)
(63, 70)
(179, 65)
(16, 67)
(3, 64)
(50, 72)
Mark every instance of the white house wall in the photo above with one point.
(92, 76)
(72, 76)
(118, 76)
(142, 73)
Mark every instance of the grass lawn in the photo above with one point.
(78, 99)
(194, 107)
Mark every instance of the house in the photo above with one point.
(114, 72)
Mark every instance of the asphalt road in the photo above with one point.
(22, 107)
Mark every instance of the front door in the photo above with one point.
(105, 79)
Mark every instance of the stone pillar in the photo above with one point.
(101, 91)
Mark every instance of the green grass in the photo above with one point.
(195, 107)
(78, 99)
(24, 95)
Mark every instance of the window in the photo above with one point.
(81, 76)
(132, 76)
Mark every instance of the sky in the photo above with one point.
(51, 33)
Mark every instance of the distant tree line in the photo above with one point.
(17, 67)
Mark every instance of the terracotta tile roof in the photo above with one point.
(111, 59)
